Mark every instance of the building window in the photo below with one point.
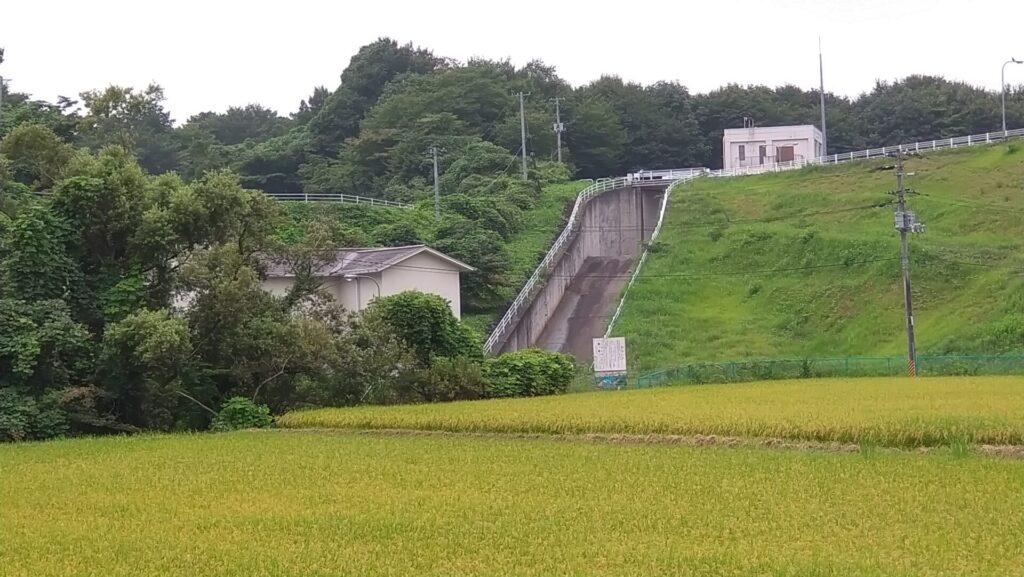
(743, 153)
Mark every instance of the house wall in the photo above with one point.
(425, 273)
(805, 140)
(422, 272)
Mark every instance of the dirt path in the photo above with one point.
(1003, 451)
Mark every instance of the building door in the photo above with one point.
(761, 152)
(785, 154)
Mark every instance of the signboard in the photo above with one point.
(610, 356)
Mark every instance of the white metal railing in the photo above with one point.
(676, 177)
(927, 145)
(333, 197)
(526, 294)
(654, 235)
(313, 197)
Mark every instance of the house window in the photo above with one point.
(743, 153)
(762, 151)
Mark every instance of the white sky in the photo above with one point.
(216, 53)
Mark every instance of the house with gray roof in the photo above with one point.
(355, 276)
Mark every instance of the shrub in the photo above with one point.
(22, 418)
(241, 413)
(447, 380)
(426, 324)
(529, 373)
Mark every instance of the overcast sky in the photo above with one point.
(212, 54)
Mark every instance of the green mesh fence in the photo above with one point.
(757, 370)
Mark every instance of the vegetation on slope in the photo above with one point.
(891, 412)
(296, 504)
(799, 264)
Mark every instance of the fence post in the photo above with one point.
(969, 140)
(951, 145)
(306, 196)
(917, 146)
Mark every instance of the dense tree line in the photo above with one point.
(369, 135)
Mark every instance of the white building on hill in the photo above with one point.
(758, 146)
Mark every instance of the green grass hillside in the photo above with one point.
(789, 264)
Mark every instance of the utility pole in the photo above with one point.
(906, 222)
(1, 84)
(522, 126)
(437, 185)
(821, 78)
(559, 127)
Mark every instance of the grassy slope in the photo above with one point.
(526, 249)
(299, 504)
(972, 203)
(892, 412)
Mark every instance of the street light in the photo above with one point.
(352, 277)
(1002, 87)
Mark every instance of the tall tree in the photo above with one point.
(134, 120)
(362, 83)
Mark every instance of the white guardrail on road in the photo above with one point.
(333, 197)
(675, 177)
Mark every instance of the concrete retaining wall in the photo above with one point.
(580, 294)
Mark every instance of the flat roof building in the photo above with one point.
(767, 145)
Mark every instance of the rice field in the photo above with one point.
(893, 412)
(282, 503)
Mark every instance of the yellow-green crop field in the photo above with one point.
(882, 411)
(280, 503)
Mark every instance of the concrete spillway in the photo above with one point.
(582, 289)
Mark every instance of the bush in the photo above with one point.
(241, 413)
(529, 373)
(22, 418)
(446, 380)
(426, 324)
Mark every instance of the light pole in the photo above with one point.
(1002, 87)
(352, 277)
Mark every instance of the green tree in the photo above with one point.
(134, 120)
(34, 263)
(485, 251)
(240, 123)
(426, 324)
(141, 362)
(362, 83)
(37, 156)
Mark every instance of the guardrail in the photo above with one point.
(333, 197)
(923, 146)
(692, 174)
(527, 293)
(312, 197)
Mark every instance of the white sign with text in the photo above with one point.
(610, 356)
